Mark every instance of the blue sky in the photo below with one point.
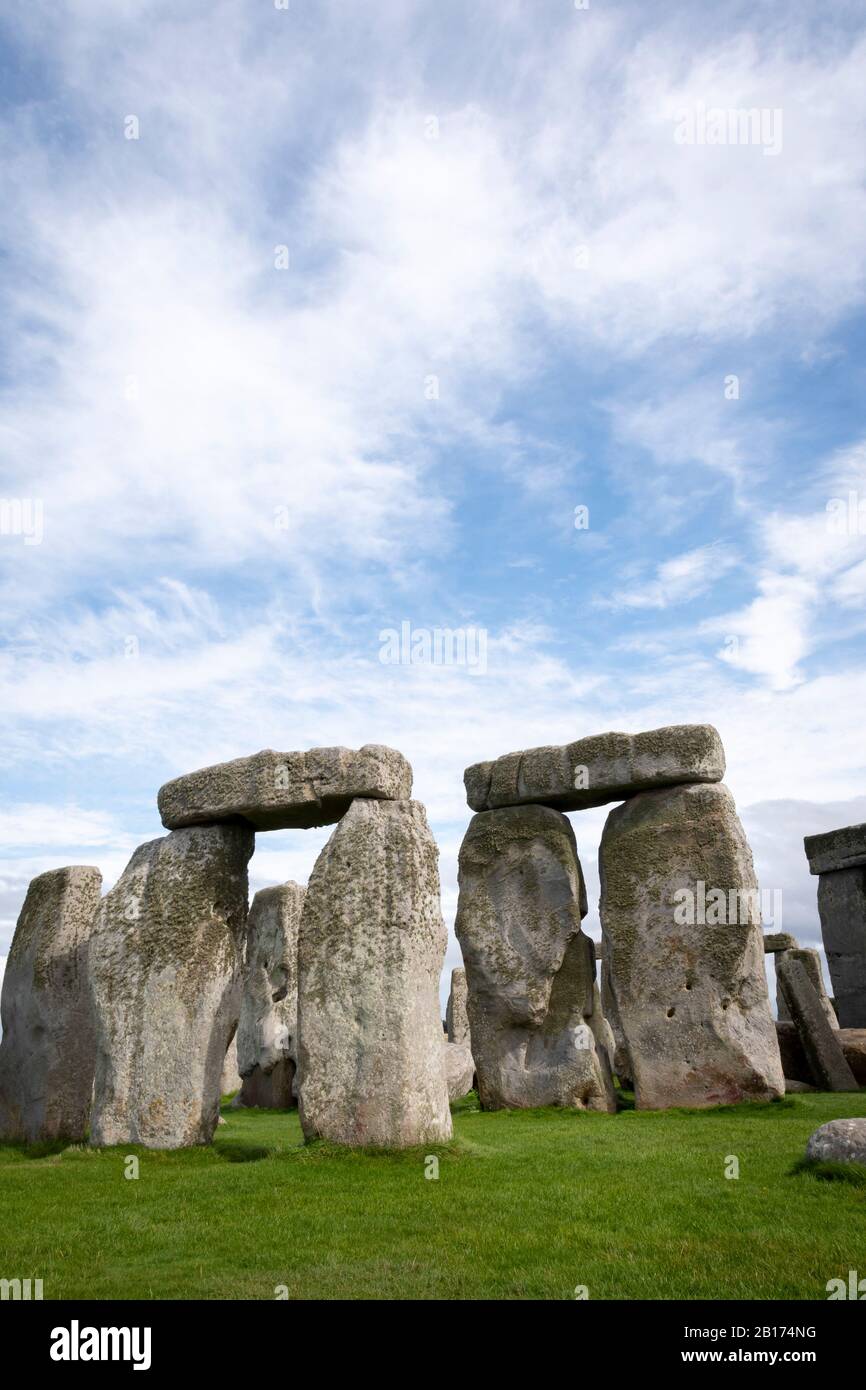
(247, 472)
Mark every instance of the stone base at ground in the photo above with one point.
(272, 1090)
(459, 1069)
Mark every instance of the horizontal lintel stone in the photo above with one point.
(598, 769)
(836, 849)
(286, 791)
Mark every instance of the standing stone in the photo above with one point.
(820, 1042)
(371, 946)
(166, 968)
(268, 1027)
(598, 769)
(48, 1051)
(842, 909)
(230, 1080)
(684, 955)
(459, 1062)
(456, 1017)
(529, 967)
(810, 958)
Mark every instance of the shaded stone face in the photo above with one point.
(596, 770)
(275, 791)
(456, 1017)
(821, 1044)
(533, 1013)
(371, 946)
(268, 1026)
(166, 970)
(459, 1069)
(842, 909)
(684, 955)
(273, 1090)
(836, 849)
(48, 1050)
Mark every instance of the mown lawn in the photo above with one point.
(527, 1205)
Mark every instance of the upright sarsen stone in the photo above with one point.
(166, 969)
(684, 955)
(48, 1051)
(370, 952)
(810, 959)
(456, 1017)
(268, 1027)
(529, 967)
(842, 909)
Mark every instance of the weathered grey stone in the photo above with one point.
(456, 1017)
(48, 1050)
(853, 1042)
(268, 1026)
(274, 791)
(370, 952)
(272, 1090)
(811, 959)
(529, 966)
(842, 909)
(793, 1087)
(459, 1069)
(166, 970)
(821, 1045)
(839, 1141)
(595, 770)
(836, 849)
(684, 956)
(779, 941)
(230, 1080)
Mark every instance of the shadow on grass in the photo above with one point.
(49, 1149)
(825, 1171)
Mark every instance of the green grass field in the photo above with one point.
(527, 1204)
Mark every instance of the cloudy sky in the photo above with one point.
(320, 318)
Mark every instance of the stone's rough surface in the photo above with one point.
(821, 1044)
(272, 1090)
(592, 771)
(842, 909)
(165, 965)
(274, 791)
(48, 1051)
(688, 992)
(853, 1042)
(529, 966)
(839, 1141)
(456, 1017)
(268, 1027)
(779, 941)
(793, 1087)
(230, 1080)
(808, 957)
(371, 946)
(836, 849)
(459, 1069)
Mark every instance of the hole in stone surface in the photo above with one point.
(671, 1012)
